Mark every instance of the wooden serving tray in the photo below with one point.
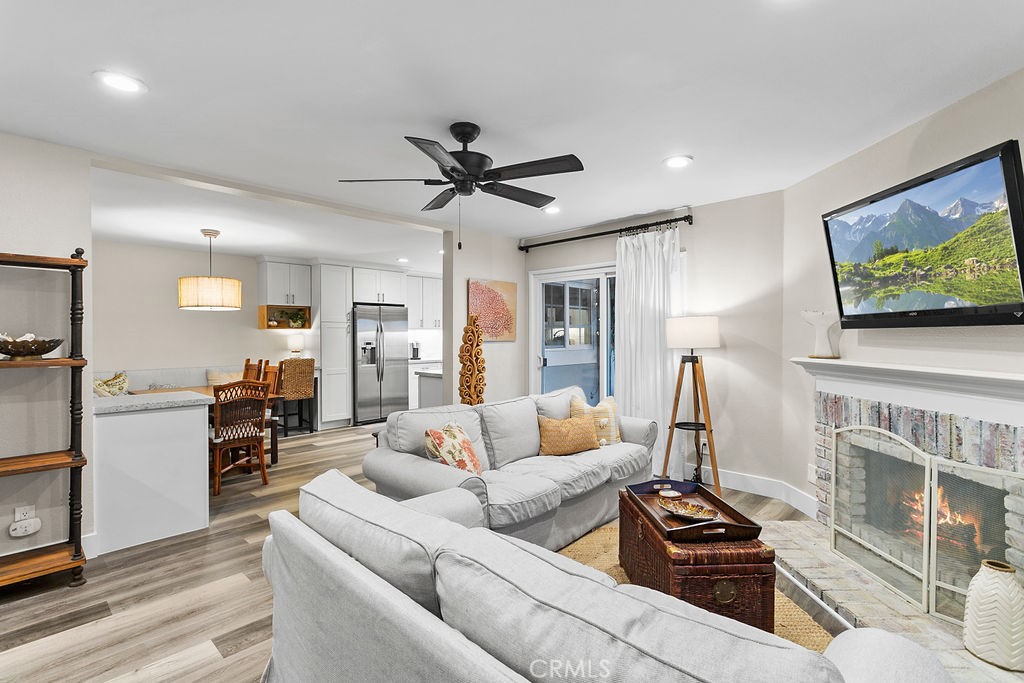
(730, 525)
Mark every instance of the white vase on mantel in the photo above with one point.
(824, 325)
(994, 616)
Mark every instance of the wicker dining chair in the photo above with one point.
(298, 388)
(253, 371)
(239, 414)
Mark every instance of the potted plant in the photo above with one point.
(297, 318)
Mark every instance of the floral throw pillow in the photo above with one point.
(606, 418)
(450, 445)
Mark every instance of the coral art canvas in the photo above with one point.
(494, 304)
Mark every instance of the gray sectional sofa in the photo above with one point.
(549, 501)
(368, 589)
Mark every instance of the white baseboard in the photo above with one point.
(763, 486)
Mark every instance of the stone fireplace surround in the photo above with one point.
(957, 416)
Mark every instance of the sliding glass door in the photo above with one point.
(573, 331)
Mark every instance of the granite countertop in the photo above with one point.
(131, 403)
(430, 373)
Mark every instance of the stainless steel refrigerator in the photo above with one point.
(381, 361)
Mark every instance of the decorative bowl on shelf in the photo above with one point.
(29, 349)
(691, 512)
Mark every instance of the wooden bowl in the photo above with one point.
(28, 350)
(691, 512)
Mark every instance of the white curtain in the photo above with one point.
(647, 272)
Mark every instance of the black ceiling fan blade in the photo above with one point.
(566, 163)
(517, 194)
(439, 154)
(440, 200)
(425, 181)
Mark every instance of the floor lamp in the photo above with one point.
(693, 332)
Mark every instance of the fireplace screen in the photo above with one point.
(920, 523)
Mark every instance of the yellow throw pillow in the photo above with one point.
(112, 386)
(606, 418)
(565, 437)
(450, 445)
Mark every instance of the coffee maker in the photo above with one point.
(414, 349)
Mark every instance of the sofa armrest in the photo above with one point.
(868, 655)
(638, 430)
(456, 505)
(404, 475)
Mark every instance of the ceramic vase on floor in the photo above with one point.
(994, 616)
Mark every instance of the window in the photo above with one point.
(570, 314)
(554, 315)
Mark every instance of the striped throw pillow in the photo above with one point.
(606, 418)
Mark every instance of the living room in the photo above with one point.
(771, 154)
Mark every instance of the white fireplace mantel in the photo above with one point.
(997, 396)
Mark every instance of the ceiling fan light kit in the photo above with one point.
(467, 171)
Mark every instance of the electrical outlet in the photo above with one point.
(25, 527)
(24, 512)
(812, 473)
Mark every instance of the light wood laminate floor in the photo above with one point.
(195, 607)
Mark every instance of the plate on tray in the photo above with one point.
(691, 512)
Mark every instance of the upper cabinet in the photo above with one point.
(285, 284)
(424, 302)
(335, 302)
(378, 286)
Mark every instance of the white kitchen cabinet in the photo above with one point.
(285, 284)
(414, 301)
(432, 303)
(378, 286)
(335, 373)
(424, 301)
(335, 302)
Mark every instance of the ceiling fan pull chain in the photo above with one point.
(460, 222)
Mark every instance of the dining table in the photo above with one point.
(208, 391)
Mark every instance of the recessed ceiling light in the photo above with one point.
(552, 210)
(402, 260)
(679, 161)
(120, 82)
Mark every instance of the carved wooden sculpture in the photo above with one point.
(471, 356)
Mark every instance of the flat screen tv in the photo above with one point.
(939, 250)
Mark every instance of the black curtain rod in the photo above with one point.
(688, 218)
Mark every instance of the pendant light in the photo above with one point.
(209, 293)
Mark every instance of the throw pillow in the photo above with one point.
(565, 437)
(606, 418)
(163, 386)
(216, 377)
(451, 446)
(112, 386)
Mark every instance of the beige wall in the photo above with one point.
(489, 256)
(139, 326)
(981, 120)
(44, 210)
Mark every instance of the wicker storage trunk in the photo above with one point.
(735, 579)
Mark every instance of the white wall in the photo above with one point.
(981, 120)
(44, 210)
(493, 257)
(139, 326)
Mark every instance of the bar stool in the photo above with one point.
(298, 388)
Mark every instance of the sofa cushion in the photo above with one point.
(393, 541)
(622, 459)
(572, 475)
(407, 428)
(515, 498)
(606, 418)
(510, 430)
(566, 437)
(488, 588)
(451, 446)
(555, 404)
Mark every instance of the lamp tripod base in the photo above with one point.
(701, 421)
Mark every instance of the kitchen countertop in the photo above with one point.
(422, 361)
(430, 373)
(131, 403)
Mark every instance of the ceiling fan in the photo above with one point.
(467, 171)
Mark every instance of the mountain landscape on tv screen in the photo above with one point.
(918, 257)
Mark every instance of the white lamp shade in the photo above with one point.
(296, 343)
(693, 332)
(204, 293)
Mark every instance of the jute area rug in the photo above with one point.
(600, 549)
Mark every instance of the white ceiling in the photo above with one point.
(293, 96)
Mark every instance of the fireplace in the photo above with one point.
(920, 523)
